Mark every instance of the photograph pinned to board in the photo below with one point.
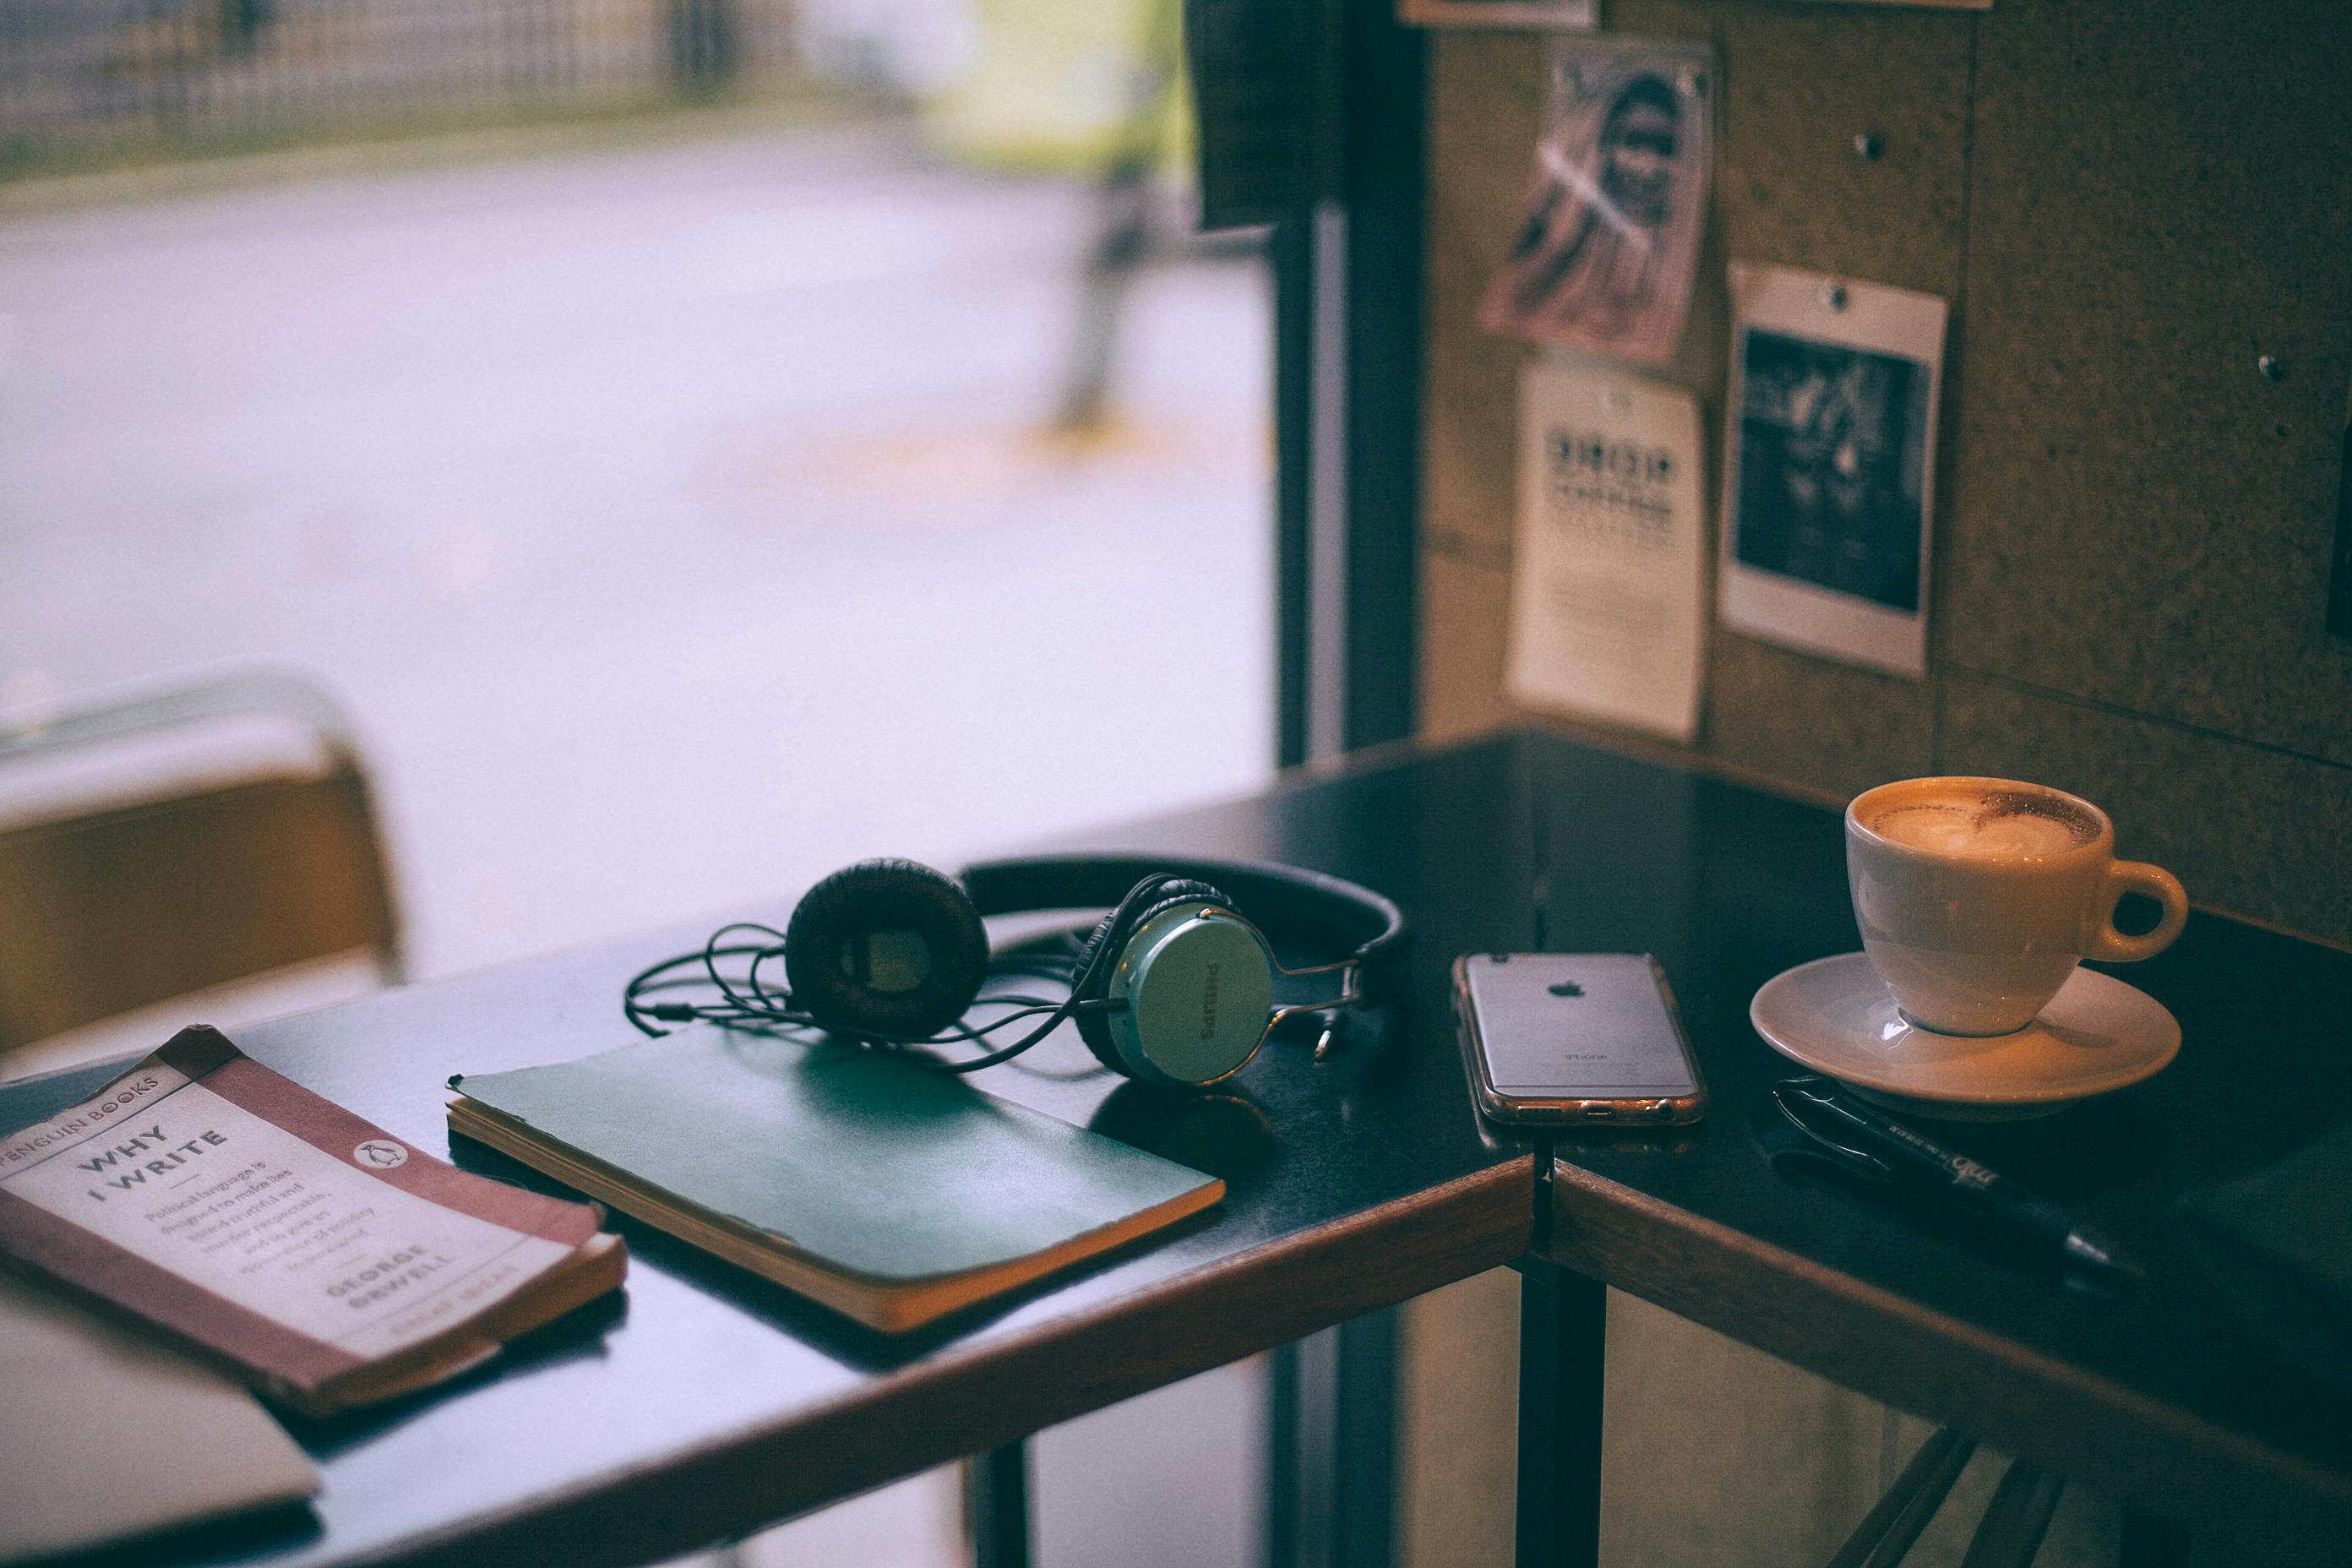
(1607, 248)
(1530, 15)
(1829, 465)
(1608, 598)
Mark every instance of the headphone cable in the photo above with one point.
(763, 1007)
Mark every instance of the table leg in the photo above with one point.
(1283, 1460)
(1563, 1318)
(999, 1483)
(1364, 1443)
(1302, 1409)
(1331, 1446)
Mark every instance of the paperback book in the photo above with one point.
(326, 1261)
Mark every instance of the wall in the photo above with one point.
(2127, 206)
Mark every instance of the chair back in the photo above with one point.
(152, 849)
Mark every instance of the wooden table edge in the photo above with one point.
(964, 1400)
(2068, 1419)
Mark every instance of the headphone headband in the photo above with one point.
(1339, 920)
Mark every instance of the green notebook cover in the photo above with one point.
(862, 1164)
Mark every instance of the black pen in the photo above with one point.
(1863, 1136)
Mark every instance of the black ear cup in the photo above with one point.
(885, 948)
(1094, 1029)
(1091, 1028)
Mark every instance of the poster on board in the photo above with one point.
(1608, 564)
(1829, 465)
(1607, 246)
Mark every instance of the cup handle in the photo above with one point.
(2113, 946)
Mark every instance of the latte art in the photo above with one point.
(1999, 825)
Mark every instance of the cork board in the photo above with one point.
(1797, 87)
(1801, 86)
(2161, 196)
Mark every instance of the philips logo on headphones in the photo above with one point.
(1208, 1004)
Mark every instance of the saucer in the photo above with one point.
(1836, 1016)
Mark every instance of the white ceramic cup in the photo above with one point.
(1975, 941)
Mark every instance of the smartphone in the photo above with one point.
(1584, 1037)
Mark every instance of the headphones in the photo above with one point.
(1175, 987)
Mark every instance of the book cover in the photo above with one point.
(891, 1192)
(329, 1261)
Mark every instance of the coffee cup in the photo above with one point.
(1977, 897)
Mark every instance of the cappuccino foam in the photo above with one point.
(1997, 825)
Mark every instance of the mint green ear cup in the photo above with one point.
(1198, 987)
(1091, 1029)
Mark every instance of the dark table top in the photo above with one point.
(705, 1402)
(2161, 1394)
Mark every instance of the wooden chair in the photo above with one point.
(166, 845)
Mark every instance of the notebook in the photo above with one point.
(115, 1436)
(2277, 1245)
(891, 1192)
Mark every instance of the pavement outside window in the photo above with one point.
(677, 525)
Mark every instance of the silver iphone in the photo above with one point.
(1585, 1037)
